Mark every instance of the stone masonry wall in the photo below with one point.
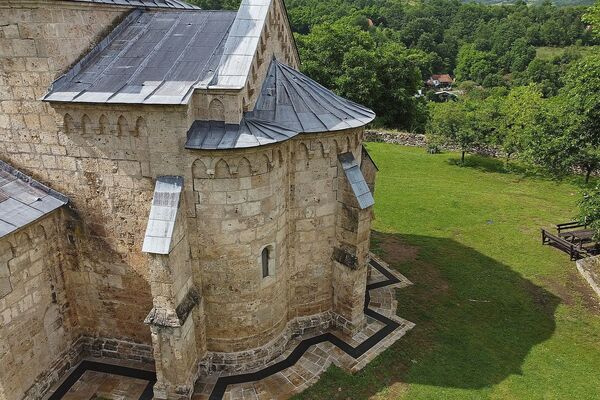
(39, 41)
(284, 197)
(36, 321)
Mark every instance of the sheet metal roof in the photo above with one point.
(24, 200)
(152, 57)
(178, 4)
(249, 133)
(242, 44)
(163, 213)
(357, 180)
(289, 104)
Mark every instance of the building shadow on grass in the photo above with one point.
(476, 321)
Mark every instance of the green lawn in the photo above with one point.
(548, 53)
(498, 315)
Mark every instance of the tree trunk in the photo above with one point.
(588, 174)
(462, 159)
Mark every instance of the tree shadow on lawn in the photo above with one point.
(490, 164)
(499, 166)
(476, 321)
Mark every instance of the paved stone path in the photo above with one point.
(292, 372)
(308, 357)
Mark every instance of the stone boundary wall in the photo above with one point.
(420, 140)
(589, 268)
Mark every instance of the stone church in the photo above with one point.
(173, 192)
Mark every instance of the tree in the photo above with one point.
(590, 209)
(473, 64)
(451, 123)
(370, 67)
(582, 91)
(520, 119)
(593, 17)
(567, 129)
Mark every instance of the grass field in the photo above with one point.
(548, 53)
(498, 316)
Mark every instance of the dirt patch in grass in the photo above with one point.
(395, 250)
(571, 292)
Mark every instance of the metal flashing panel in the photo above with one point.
(24, 200)
(152, 57)
(175, 4)
(163, 213)
(241, 45)
(356, 180)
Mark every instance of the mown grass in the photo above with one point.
(498, 315)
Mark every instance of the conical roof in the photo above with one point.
(289, 104)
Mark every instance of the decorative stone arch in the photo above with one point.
(122, 126)
(68, 124)
(222, 169)
(348, 144)
(199, 170)
(244, 168)
(301, 151)
(21, 243)
(140, 127)
(86, 125)
(103, 125)
(216, 110)
(264, 164)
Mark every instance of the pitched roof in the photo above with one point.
(177, 4)
(153, 57)
(443, 78)
(289, 104)
(24, 200)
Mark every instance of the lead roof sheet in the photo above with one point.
(163, 214)
(152, 57)
(357, 180)
(24, 200)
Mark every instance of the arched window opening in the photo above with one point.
(265, 262)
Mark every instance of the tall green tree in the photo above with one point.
(452, 123)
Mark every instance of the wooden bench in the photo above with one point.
(569, 226)
(576, 252)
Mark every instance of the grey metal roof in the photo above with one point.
(249, 133)
(357, 180)
(241, 45)
(24, 200)
(178, 4)
(163, 213)
(291, 99)
(289, 104)
(152, 57)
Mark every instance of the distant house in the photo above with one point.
(440, 81)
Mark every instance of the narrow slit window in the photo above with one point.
(265, 262)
